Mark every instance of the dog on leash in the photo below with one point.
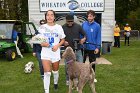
(77, 70)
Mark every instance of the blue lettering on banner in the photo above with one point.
(77, 5)
(84, 4)
(58, 4)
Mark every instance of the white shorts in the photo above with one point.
(48, 54)
(53, 60)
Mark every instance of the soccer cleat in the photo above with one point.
(67, 82)
(95, 80)
(55, 86)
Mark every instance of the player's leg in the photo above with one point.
(55, 71)
(47, 74)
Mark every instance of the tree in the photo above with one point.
(14, 9)
(122, 9)
(127, 12)
(24, 10)
(134, 19)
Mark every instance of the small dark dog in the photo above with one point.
(81, 71)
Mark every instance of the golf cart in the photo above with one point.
(25, 30)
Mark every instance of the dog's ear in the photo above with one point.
(67, 50)
(63, 55)
(69, 53)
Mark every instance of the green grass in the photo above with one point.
(123, 76)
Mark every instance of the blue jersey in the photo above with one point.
(93, 32)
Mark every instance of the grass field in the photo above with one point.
(123, 76)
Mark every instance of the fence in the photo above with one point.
(134, 35)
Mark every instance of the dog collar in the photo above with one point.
(70, 61)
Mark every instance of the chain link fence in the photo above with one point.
(134, 35)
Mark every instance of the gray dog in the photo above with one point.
(81, 71)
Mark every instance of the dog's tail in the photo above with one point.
(92, 63)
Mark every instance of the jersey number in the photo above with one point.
(51, 40)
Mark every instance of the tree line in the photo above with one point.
(14, 10)
(126, 11)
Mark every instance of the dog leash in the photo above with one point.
(83, 47)
(91, 43)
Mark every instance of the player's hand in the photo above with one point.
(82, 40)
(34, 54)
(96, 51)
(54, 48)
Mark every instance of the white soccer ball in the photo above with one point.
(28, 70)
(27, 65)
(31, 64)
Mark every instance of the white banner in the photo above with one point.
(72, 5)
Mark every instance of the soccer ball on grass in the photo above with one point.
(28, 67)
(28, 70)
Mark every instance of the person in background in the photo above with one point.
(15, 39)
(117, 36)
(73, 31)
(37, 52)
(50, 53)
(127, 30)
(14, 34)
(93, 32)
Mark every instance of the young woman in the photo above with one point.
(50, 53)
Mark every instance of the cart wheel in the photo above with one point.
(11, 54)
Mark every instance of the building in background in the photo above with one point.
(105, 12)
